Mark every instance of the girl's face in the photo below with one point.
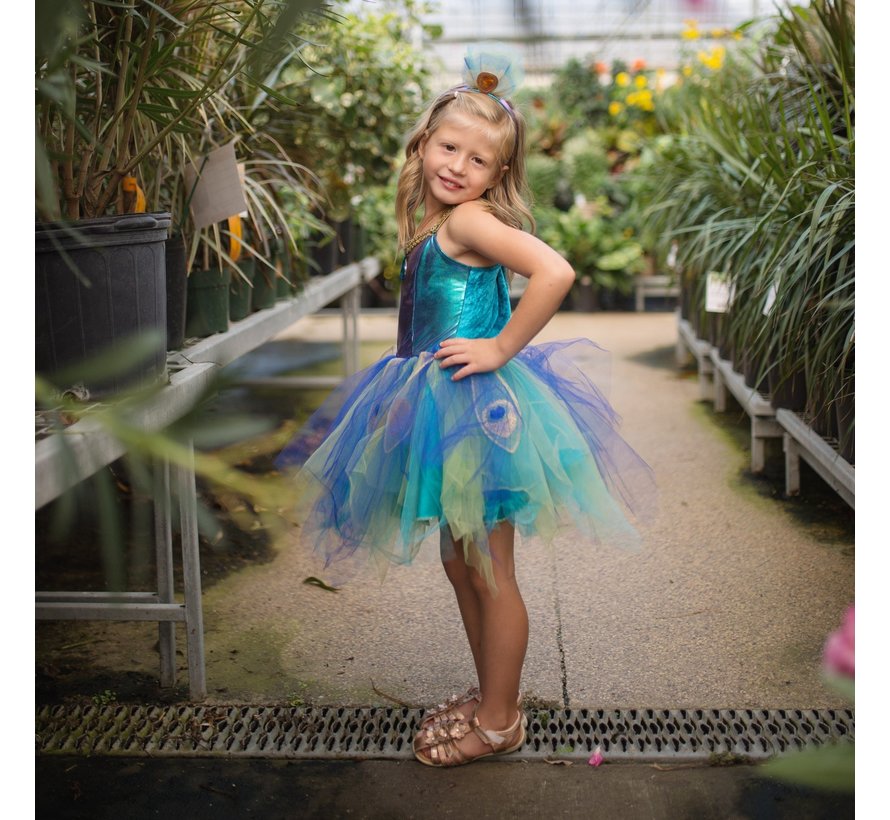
(460, 161)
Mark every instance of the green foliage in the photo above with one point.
(596, 246)
(829, 768)
(584, 156)
(121, 86)
(375, 210)
(544, 175)
(104, 698)
(365, 87)
(758, 180)
(580, 92)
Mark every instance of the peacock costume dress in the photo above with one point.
(400, 450)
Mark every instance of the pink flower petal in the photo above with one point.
(597, 757)
(839, 653)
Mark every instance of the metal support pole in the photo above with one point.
(350, 306)
(164, 569)
(191, 575)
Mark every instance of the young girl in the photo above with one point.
(466, 430)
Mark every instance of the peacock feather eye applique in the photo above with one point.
(497, 412)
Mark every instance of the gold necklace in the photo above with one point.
(414, 241)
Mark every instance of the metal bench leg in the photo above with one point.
(191, 575)
(720, 391)
(705, 378)
(164, 568)
(792, 465)
(350, 307)
(639, 299)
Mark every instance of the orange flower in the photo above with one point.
(638, 65)
(601, 67)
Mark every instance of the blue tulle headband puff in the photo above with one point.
(494, 69)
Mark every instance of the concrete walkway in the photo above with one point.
(727, 605)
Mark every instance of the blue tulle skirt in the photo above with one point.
(400, 450)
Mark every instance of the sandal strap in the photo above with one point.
(496, 740)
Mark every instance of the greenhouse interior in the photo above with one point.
(332, 295)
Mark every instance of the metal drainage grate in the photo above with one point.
(378, 732)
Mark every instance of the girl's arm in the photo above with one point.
(472, 230)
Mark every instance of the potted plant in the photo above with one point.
(604, 258)
(120, 87)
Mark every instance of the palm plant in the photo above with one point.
(119, 83)
(759, 183)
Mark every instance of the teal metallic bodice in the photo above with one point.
(443, 299)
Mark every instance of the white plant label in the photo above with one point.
(218, 192)
(718, 293)
(770, 300)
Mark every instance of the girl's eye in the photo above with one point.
(479, 161)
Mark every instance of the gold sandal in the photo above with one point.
(445, 709)
(449, 711)
(441, 741)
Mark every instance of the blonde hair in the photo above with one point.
(508, 198)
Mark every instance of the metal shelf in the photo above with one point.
(65, 458)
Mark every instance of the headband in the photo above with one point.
(493, 69)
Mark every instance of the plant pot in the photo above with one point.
(264, 287)
(685, 302)
(284, 282)
(789, 392)
(823, 418)
(322, 255)
(845, 411)
(584, 296)
(100, 282)
(177, 288)
(752, 367)
(208, 302)
(724, 340)
(241, 290)
(345, 242)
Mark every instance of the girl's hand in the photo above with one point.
(476, 356)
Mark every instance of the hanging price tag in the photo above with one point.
(718, 293)
(217, 190)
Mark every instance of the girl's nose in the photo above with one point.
(456, 164)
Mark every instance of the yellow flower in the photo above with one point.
(713, 59)
(622, 79)
(615, 108)
(718, 32)
(640, 81)
(737, 35)
(692, 32)
(687, 70)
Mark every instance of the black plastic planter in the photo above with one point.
(177, 288)
(264, 287)
(99, 283)
(241, 290)
(208, 302)
(789, 392)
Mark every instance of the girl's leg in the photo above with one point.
(497, 628)
(467, 601)
(504, 620)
